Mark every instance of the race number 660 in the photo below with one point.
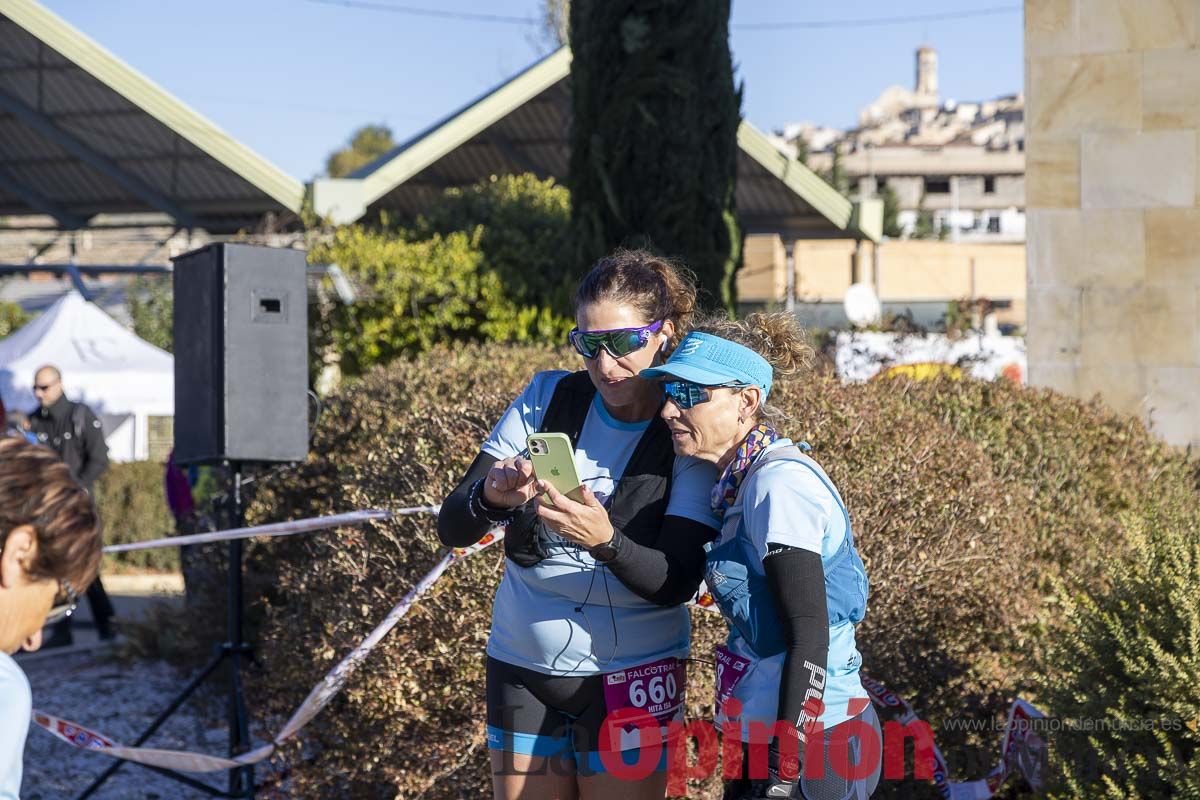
(659, 689)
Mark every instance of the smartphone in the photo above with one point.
(554, 462)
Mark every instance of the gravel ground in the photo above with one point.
(117, 699)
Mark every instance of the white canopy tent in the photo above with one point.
(125, 380)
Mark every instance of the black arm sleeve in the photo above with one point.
(95, 450)
(797, 582)
(457, 526)
(669, 573)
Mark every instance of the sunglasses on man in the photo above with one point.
(617, 342)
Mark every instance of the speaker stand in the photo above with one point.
(234, 650)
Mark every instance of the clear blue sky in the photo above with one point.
(293, 78)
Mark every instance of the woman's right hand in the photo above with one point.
(510, 483)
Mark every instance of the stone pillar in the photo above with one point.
(1113, 200)
(875, 267)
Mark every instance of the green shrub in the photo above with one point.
(366, 144)
(12, 317)
(1126, 677)
(132, 504)
(485, 263)
(151, 304)
(416, 293)
(951, 485)
(524, 240)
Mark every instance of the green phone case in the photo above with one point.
(554, 462)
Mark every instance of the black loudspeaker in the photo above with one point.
(241, 354)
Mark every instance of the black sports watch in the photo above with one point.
(608, 552)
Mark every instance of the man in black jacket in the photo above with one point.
(74, 432)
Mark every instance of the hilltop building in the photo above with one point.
(962, 163)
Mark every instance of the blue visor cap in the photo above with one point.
(712, 361)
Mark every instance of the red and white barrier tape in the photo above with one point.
(1022, 750)
(78, 736)
(274, 529)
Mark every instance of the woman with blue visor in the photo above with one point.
(590, 616)
(784, 570)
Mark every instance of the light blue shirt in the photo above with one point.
(535, 623)
(786, 503)
(16, 705)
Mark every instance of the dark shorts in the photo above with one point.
(532, 713)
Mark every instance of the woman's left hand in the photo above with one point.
(585, 523)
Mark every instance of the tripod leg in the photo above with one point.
(179, 700)
(186, 780)
(241, 781)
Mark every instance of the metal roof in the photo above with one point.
(82, 133)
(524, 126)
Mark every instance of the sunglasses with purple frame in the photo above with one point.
(617, 342)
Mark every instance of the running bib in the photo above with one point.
(656, 688)
(731, 668)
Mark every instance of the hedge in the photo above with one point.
(132, 504)
(1126, 679)
(483, 263)
(976, 507)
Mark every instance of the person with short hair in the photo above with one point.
(74, 432)
(784, 572)
(49, 552)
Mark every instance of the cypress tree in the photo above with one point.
(654, 143)
(891, 212)
(837, 173)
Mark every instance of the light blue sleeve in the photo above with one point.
(15, 704)
(789, 505)
(691, 491)
(524, 416)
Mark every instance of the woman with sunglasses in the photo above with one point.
(49, 552)
(591, 602)
(784, 571)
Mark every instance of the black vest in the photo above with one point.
(638, 503)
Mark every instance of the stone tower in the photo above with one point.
(927, 77)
